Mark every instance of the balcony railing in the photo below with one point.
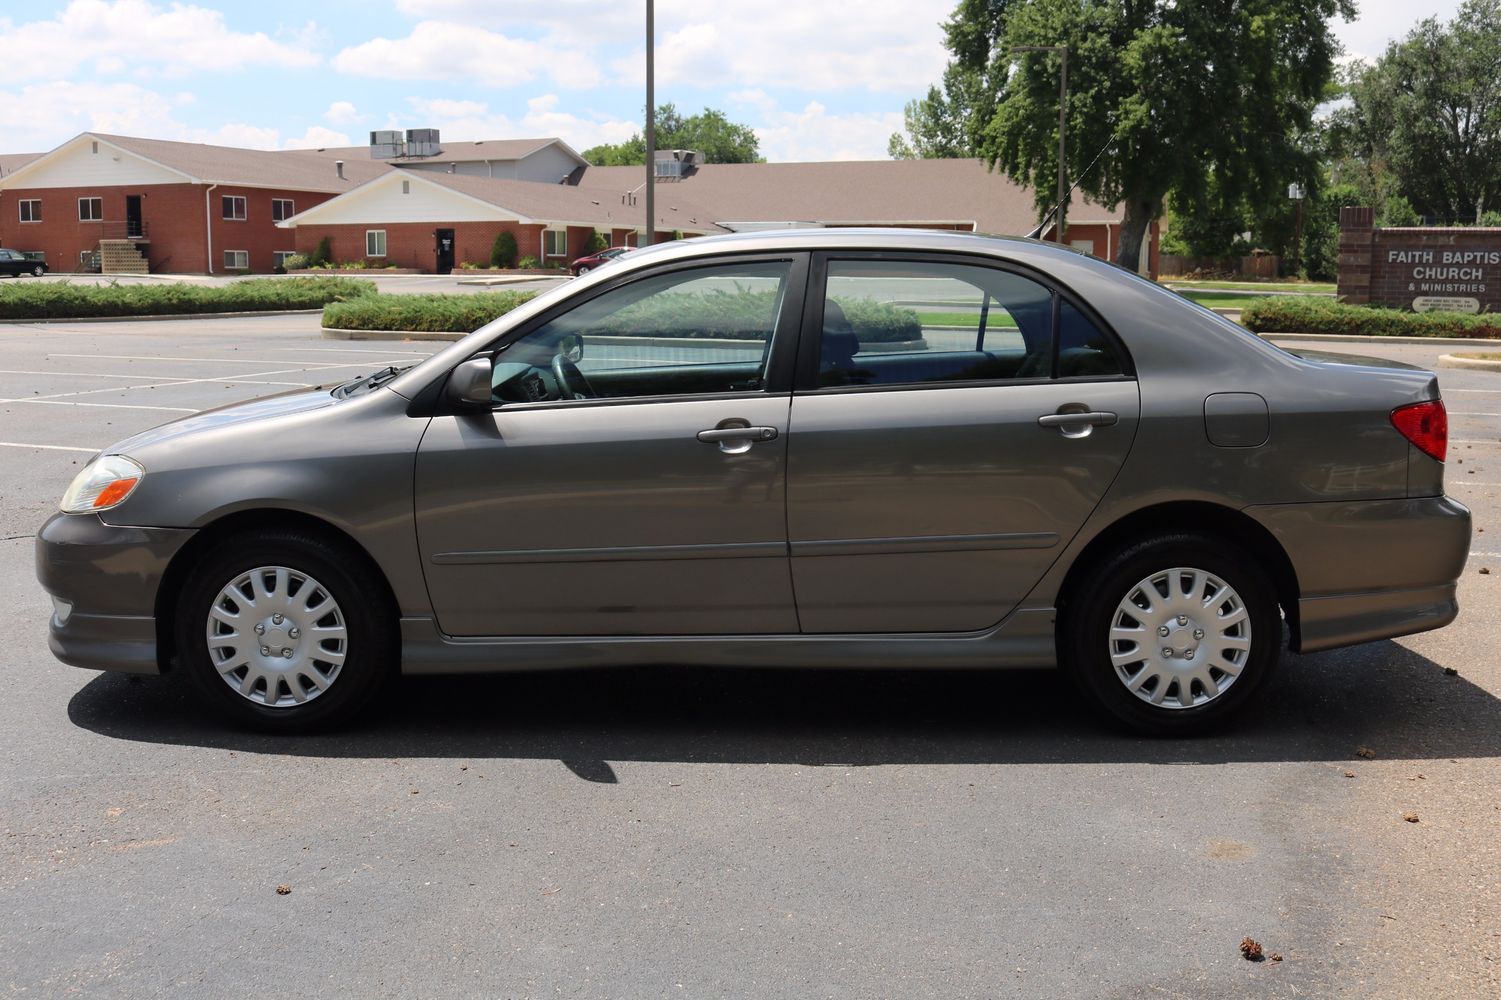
(128, 230)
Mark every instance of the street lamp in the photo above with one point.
(1062, 50)
(651, 126)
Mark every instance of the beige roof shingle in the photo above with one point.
(566, 203)
(851, 192)
(287, 169)
(14, 161)
(466, 151)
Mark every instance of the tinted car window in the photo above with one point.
(1083, 350)
(707, 330)
(896, 323)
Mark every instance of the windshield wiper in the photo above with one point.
(372, 381)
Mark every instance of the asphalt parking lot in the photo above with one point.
(698, 833)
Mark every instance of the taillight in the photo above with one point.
(1425, 425)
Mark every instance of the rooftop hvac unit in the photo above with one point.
(386, 145)
(423, 142)
(675, 163)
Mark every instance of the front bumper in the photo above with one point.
(108, 577)
(1371, 569)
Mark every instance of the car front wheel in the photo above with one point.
(1173, 635)
(283, 630)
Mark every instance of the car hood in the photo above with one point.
(1358, 360)
(280, 404)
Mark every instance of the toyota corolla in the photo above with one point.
(831, 448)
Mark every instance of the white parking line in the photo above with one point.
(345, 350)
(1472, 441)
(1469, 482)
(1491, 392)
(22, 371)
(45, 447)
(237, 361)
(109, 406)
(1470, 413)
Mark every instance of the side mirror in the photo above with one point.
(469, 385)
(571, 346)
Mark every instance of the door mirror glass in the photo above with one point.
(469, 385)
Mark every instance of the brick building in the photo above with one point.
(129, 204)
(1450, 268)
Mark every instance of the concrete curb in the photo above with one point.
(332, 333)
(1345, 338)
(518, 279)
(1475, 364)
(152, 319)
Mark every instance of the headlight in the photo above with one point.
(102, 484)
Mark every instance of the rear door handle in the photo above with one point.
(737, 434)
(1093, 418)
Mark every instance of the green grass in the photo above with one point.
(1253, 286)
(422, 313)
(1302, 314)
(1210, 300)
(65, 300)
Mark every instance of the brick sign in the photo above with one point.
(1424, 268)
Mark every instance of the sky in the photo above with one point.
(815, 79)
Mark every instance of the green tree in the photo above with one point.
(710, 132)
(1429, 113)
(323, 254)
(503, 251)
(1167, 93)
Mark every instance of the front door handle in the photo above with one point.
(1093, 418)
(719, 434)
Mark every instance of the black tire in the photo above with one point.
(1086, 643)
(583, 271)
(37, 271)
(371, 649)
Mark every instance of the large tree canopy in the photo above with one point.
(709, 132)
(1426, 117)
(1166, 93)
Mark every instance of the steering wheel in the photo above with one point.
(571, 381)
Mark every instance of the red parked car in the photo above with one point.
(586, 264)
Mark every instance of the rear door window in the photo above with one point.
(920, 322)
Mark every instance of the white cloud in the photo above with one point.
(468, 120)
(111, 37)
(814, 134)
(317, 137)
(341, 112)
(443, 50)
(1380, 22)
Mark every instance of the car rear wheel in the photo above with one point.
(1173, 635)
(37, 271)
(284, 631)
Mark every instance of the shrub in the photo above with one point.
(65, 300)
(1310, 314)
(323, 254)
(746, 315)
(528, 264)
(424, 313)
(296, 262)
(469, 265)
(1491, 219)
(503, 253)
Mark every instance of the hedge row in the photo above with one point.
(718, 314)
(424, 313)
(65, 300)
(1308, 314)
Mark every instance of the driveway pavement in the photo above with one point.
(698, 833)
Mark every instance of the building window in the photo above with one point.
(554, 243)
(237, 260)
(282, 209)
(406, 187)
(375, 243)
(31, 210)
(234, 207)
(90, 209)
(279, 257)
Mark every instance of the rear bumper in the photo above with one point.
(1371, 569)
(106, 579)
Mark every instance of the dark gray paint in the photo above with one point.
(471, 554)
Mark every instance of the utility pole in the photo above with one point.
(651, 127)
(1062, 51)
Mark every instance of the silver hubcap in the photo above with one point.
(277, 636)
(1180, 638)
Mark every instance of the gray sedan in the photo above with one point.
(834, 448)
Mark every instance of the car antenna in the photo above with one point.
(1036, 234)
